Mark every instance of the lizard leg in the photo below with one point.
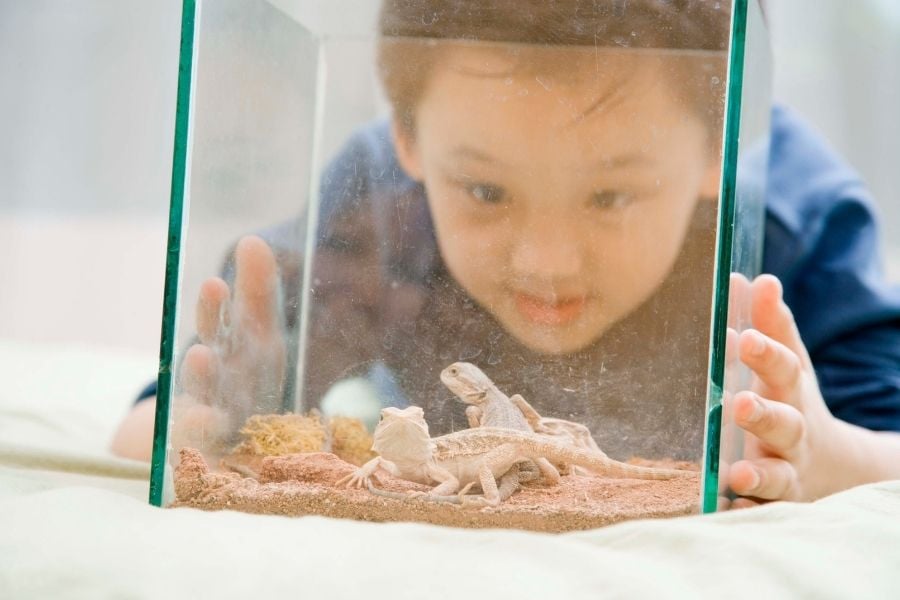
(474, 415)
(489, 486)
(583, 437)
(528, 472)
(551, 475)
(447, 483)
(509, 483)
(494, 462)
(466, 489)
(531, 415)
(360, 477)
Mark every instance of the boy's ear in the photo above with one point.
(407, 152)
(711, 184)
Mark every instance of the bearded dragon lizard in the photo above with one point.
(489, 407)
(461, 459)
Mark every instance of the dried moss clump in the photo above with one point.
(275, 435)
(350, 440)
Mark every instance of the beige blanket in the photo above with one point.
(74, 523)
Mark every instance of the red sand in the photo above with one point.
(305, 484)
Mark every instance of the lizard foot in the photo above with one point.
(358, 479)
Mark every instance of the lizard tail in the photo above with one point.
(601, 464)
(627, 471)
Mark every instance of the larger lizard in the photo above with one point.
(459, 459)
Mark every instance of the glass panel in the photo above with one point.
(525, 188)
(743, 216)
(247, 87)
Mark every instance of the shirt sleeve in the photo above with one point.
(850, 318)
(822, 241)
(149, 391)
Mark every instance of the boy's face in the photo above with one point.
(559, 205)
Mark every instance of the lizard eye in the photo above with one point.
(454, 371)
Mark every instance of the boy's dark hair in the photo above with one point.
(668, 24)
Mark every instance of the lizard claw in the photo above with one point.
(357, 479)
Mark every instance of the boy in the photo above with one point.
(570, 254)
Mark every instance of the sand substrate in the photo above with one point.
(305, 484)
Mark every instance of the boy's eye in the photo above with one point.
(485, 192)
(611, 199)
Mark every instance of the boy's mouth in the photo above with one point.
(543, 312)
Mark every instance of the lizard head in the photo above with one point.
(402, 433)
(467, 381)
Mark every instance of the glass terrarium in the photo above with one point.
(469, 263)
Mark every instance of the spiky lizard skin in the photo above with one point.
(411, 448)
(490, 407)
(482, 455)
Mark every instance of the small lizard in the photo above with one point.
(489, 407)
(458, 460)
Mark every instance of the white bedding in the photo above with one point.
(69, 531)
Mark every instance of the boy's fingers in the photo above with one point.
(779, 426)
(256, 285)
(198, 373)
(732, 340)
(764, 478)
(772, 317)
(776, 365)
(740, 294)
(739, 503)
(212, 309)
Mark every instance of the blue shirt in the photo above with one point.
(820, 240)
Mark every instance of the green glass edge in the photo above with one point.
(723, 270)
(173, 253)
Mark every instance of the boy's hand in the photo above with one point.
(238, 367)
(793, 448)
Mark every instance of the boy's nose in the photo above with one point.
(546, 252)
